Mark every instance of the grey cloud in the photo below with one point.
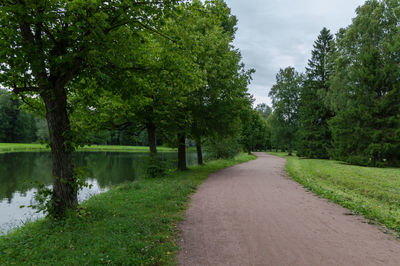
(275, 34)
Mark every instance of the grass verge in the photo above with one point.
(372, 192)
(26, 147)
(132, 224)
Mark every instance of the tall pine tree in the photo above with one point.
(314, 136)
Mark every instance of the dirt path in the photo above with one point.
(253, 214)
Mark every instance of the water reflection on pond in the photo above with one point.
(20, 171)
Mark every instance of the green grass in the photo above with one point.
(372, 192)
(23, 147)
(132, 224)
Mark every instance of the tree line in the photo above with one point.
(346, 105)
(168, 68)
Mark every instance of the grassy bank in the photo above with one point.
(372, 192)
(23, 147)
(132, 224)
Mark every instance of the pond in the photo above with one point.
(21, 172)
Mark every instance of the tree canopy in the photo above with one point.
(167, 67)
(349, 101)
(365, 87)
(285, 96)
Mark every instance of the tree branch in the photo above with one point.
(155, 31)
(63, 79)
(26, 102)
(18, 90)
(26, 32)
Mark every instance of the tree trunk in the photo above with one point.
(181, 152)
(289, 151)
(64, 184)
(151, 132)
(199, 152)
(248, 150)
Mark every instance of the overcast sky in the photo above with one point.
(274, 34)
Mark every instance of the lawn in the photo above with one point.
(132, 224)
(372, 192)
(24, 147)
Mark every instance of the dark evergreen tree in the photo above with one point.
(314, 135)
(365, 88)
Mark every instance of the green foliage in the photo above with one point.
(217, 106)
(285, 96)
(264, 110)
(44, 200)
(372, 192)
(314, 135)
(155, 167)
(365, 89)
(223, 147)
(132, 224)
(103, 73)
(16, 124)
(51, 50)
(254, 132)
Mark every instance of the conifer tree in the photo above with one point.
(314, 136)
(365, 87)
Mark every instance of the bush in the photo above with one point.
(222, 147)
(155, 167)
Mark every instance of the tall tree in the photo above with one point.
(314, 134)
(285, 96)
(217, 106)
(365, 87)
(46, 47)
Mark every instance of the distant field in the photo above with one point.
(372, 192)
(19, 147)
(22, 147)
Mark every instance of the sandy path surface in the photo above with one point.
(253, 214)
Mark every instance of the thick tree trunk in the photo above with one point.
(151, 132)
(199, 152)
(181, 152)
(64, 185)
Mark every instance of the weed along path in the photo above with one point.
(253, 214)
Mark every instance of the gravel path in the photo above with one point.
(253, 214)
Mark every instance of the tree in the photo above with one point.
(264, 110)
(217, 106)
(285, 96)
(16, 124)
(47, 47)
(365, 88)
(254, 132)
(314, 134)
